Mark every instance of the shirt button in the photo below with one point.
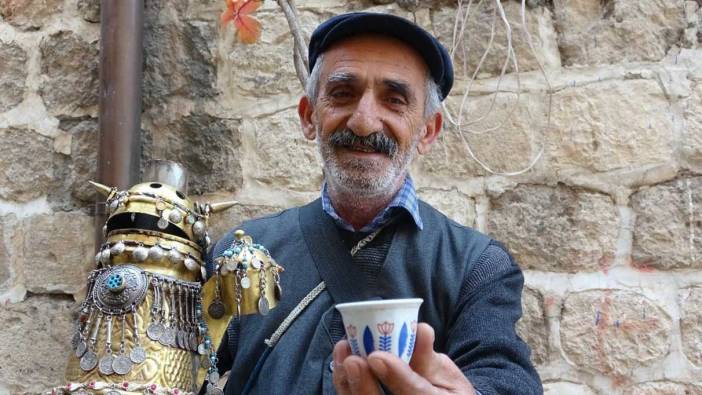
(331, 366)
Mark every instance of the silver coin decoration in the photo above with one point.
(216, 309)
(117, 248)
(213, 377)
(81, 349)
(134, 289)
(190, 264)
(88, 361)
(138, 354)
(141, 253)
(175, 216)
(121, 365)
(113, 392)
(105, 365)
(175, 256)
(201, 349)
(245, 283)
(105, 256)
(97, 257)
(263, 307)
(75, 339)
(199, 228)
(155, 331)
(162, 223)
(156, 253)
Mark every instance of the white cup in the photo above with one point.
(381, 325)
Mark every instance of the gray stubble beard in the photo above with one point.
(356, 177)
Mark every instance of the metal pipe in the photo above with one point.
(121, 49)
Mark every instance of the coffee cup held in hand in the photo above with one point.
(381, 325)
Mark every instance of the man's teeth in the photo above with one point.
(362, 148)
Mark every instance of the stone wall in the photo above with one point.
(606, 223)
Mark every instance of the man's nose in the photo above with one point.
(366, 118)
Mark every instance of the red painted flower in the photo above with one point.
(153, 387)
(386, 328)
(68, 387)
(248, 29)
(125, 385)
(351, 330)
(175, 391)
(91, 385)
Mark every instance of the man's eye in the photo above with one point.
(399, 101)
(340, 94)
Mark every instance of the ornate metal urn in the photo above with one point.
(153, 315)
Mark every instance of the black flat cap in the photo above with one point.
(345, 26)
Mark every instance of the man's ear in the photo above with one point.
(430, 132)
(305, 111)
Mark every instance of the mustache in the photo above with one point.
(377, 141)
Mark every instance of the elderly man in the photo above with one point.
(372, 104)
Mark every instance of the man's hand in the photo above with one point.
(427, 373)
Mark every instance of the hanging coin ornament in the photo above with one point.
(162, 223)
(175, 216)
(141, 253)
(199, 228)
(245, 283)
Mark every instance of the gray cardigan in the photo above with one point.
(470, 285)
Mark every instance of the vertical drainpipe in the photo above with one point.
(121, 51)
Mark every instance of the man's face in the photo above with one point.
(368, 116)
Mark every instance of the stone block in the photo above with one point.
(178, 60)
(556, 229)
(10, 250)
(663, 388)
(691, 324)
(533, 327)
(29, 14)
(221, 223)
(451, 203)
(493, 128)
(691, 145)
(13, 75)
(36, 344)
(209, 148)
(78, 166)
(600, 32)
(58, 252)
(667, 221)
(605, 126)
(69, 67)
(613, 332)
(89, 10)
(565, 387)
(479, 28)
(27, 164)
(283, 157)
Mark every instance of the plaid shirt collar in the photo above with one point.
(406, 198)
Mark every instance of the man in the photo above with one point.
(372, 104)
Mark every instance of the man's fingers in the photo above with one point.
(352, 375)
(339, 376)
(423, 354)
(359, 377)
(397, 376)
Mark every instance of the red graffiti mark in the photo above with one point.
(642, 266)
